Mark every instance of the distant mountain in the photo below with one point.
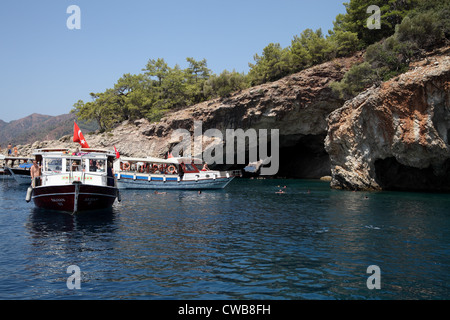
(38, 127)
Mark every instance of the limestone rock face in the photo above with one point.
(395, 136)
(392, 136)
(297, 105)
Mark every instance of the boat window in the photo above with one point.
(190, 167)
(97, 165)
(76, 165)
(53, 165)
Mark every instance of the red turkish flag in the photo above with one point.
(117, 153)
(78, 136)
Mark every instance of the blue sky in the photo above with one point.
(45, 67)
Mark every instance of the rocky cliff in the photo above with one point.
(297, 105)
(392, 136)
(395, 136)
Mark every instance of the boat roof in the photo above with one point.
(67, 153)
(148, 159)
(2, 157)
(177, 160)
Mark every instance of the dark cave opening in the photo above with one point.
(300, 156)
(392, 175)
(304, 158)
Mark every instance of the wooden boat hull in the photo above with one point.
(75, 197)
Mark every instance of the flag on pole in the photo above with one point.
(78, 136)
(117, 153)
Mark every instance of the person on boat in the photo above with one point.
(75, 166)
(9, 149)
(110, 174)
(15, 151)
(100, 167)
(181, 170)
(205, 167)
(35, 173)
(92, 165)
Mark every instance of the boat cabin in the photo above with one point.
(89, 166)
(170, 173)
(158, 166)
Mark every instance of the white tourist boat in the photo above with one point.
(74, 181)
(171, 173)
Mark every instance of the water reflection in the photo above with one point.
(41, 222)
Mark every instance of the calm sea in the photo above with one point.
(243, 242)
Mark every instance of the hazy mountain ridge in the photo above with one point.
(38, 127)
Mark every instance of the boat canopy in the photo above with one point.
(160, 160)
(48, 152)
(148, 159)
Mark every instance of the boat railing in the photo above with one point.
(106, 180)
(232, 173)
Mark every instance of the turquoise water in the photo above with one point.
(244, 242)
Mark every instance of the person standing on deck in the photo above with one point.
(9, 149)
(35, 172)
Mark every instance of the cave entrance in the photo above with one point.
(392, 175)
(301, 157)
(304, 157)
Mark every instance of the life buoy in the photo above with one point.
(171, 169)
(126, 166)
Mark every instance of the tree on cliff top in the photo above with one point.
(355, 20)
(160, 89)
(424, 28)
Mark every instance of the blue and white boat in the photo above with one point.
(171, 173)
